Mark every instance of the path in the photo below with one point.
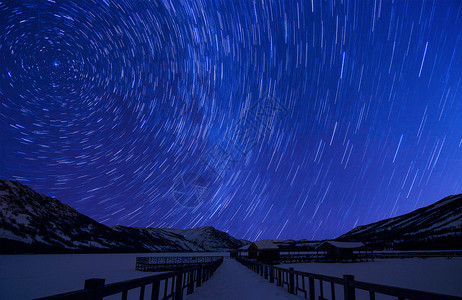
(233, 281)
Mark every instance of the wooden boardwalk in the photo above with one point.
(233, 281)
(240, 280)
(170, 263)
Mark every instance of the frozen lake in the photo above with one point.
(39, 275)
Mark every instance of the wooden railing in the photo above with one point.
(170, 285)
(410, 254)
(322, 257)
(363, 255)
(304, 282)
(169, 263)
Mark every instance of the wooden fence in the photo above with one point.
(323, 257)
(304, 283)
(422, 254)
(170, 285)
(169, 263)
(362, 255)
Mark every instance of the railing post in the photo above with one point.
(311, 284)
(143, 287)
(291, 281)
(321, 289)
(266, 272)
(191, 283)
(179, 287)
(97, 285)
(155, 290)
(199, 277)
(279, 278)
(271, 275)
(332, 291)
(349, 292)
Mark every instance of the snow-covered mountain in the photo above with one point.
(157, 239)
(32, 222)
(436, 226)
(209, 238)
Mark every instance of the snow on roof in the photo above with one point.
(265, 244)
(245, 247)
(342, 244)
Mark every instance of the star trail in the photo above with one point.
(266, 119)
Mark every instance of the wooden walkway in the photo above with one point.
(233, 281)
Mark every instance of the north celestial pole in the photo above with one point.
(266, 119)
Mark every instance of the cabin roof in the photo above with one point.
(245, 247)
(344, 245)
(265, 244)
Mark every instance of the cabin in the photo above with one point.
(265, 251)
(243, 251)
(341, 251)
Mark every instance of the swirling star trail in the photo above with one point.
(266, 119)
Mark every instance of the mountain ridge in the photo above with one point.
(33, 222)
(440, 222)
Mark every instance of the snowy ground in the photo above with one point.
(438, 275)
(31, 276)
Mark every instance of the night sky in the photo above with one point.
(265, 119)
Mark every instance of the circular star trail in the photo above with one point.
(266, 119)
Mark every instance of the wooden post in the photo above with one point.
(124, 295)
(311, 284)
(155, 290)
(271, 275)
(371, 295)
(349, 292)
(321, 289)
(266, 272)
(332, 291)
(190, 283)
(142, 291)
(199, 278)
(291, 281)
(179, 287)
(97, 285)
(279, 278)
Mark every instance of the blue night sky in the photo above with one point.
(265, 119)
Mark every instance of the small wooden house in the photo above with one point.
(339, 251)
(264, 251)
(252, 251)
(244, 251)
